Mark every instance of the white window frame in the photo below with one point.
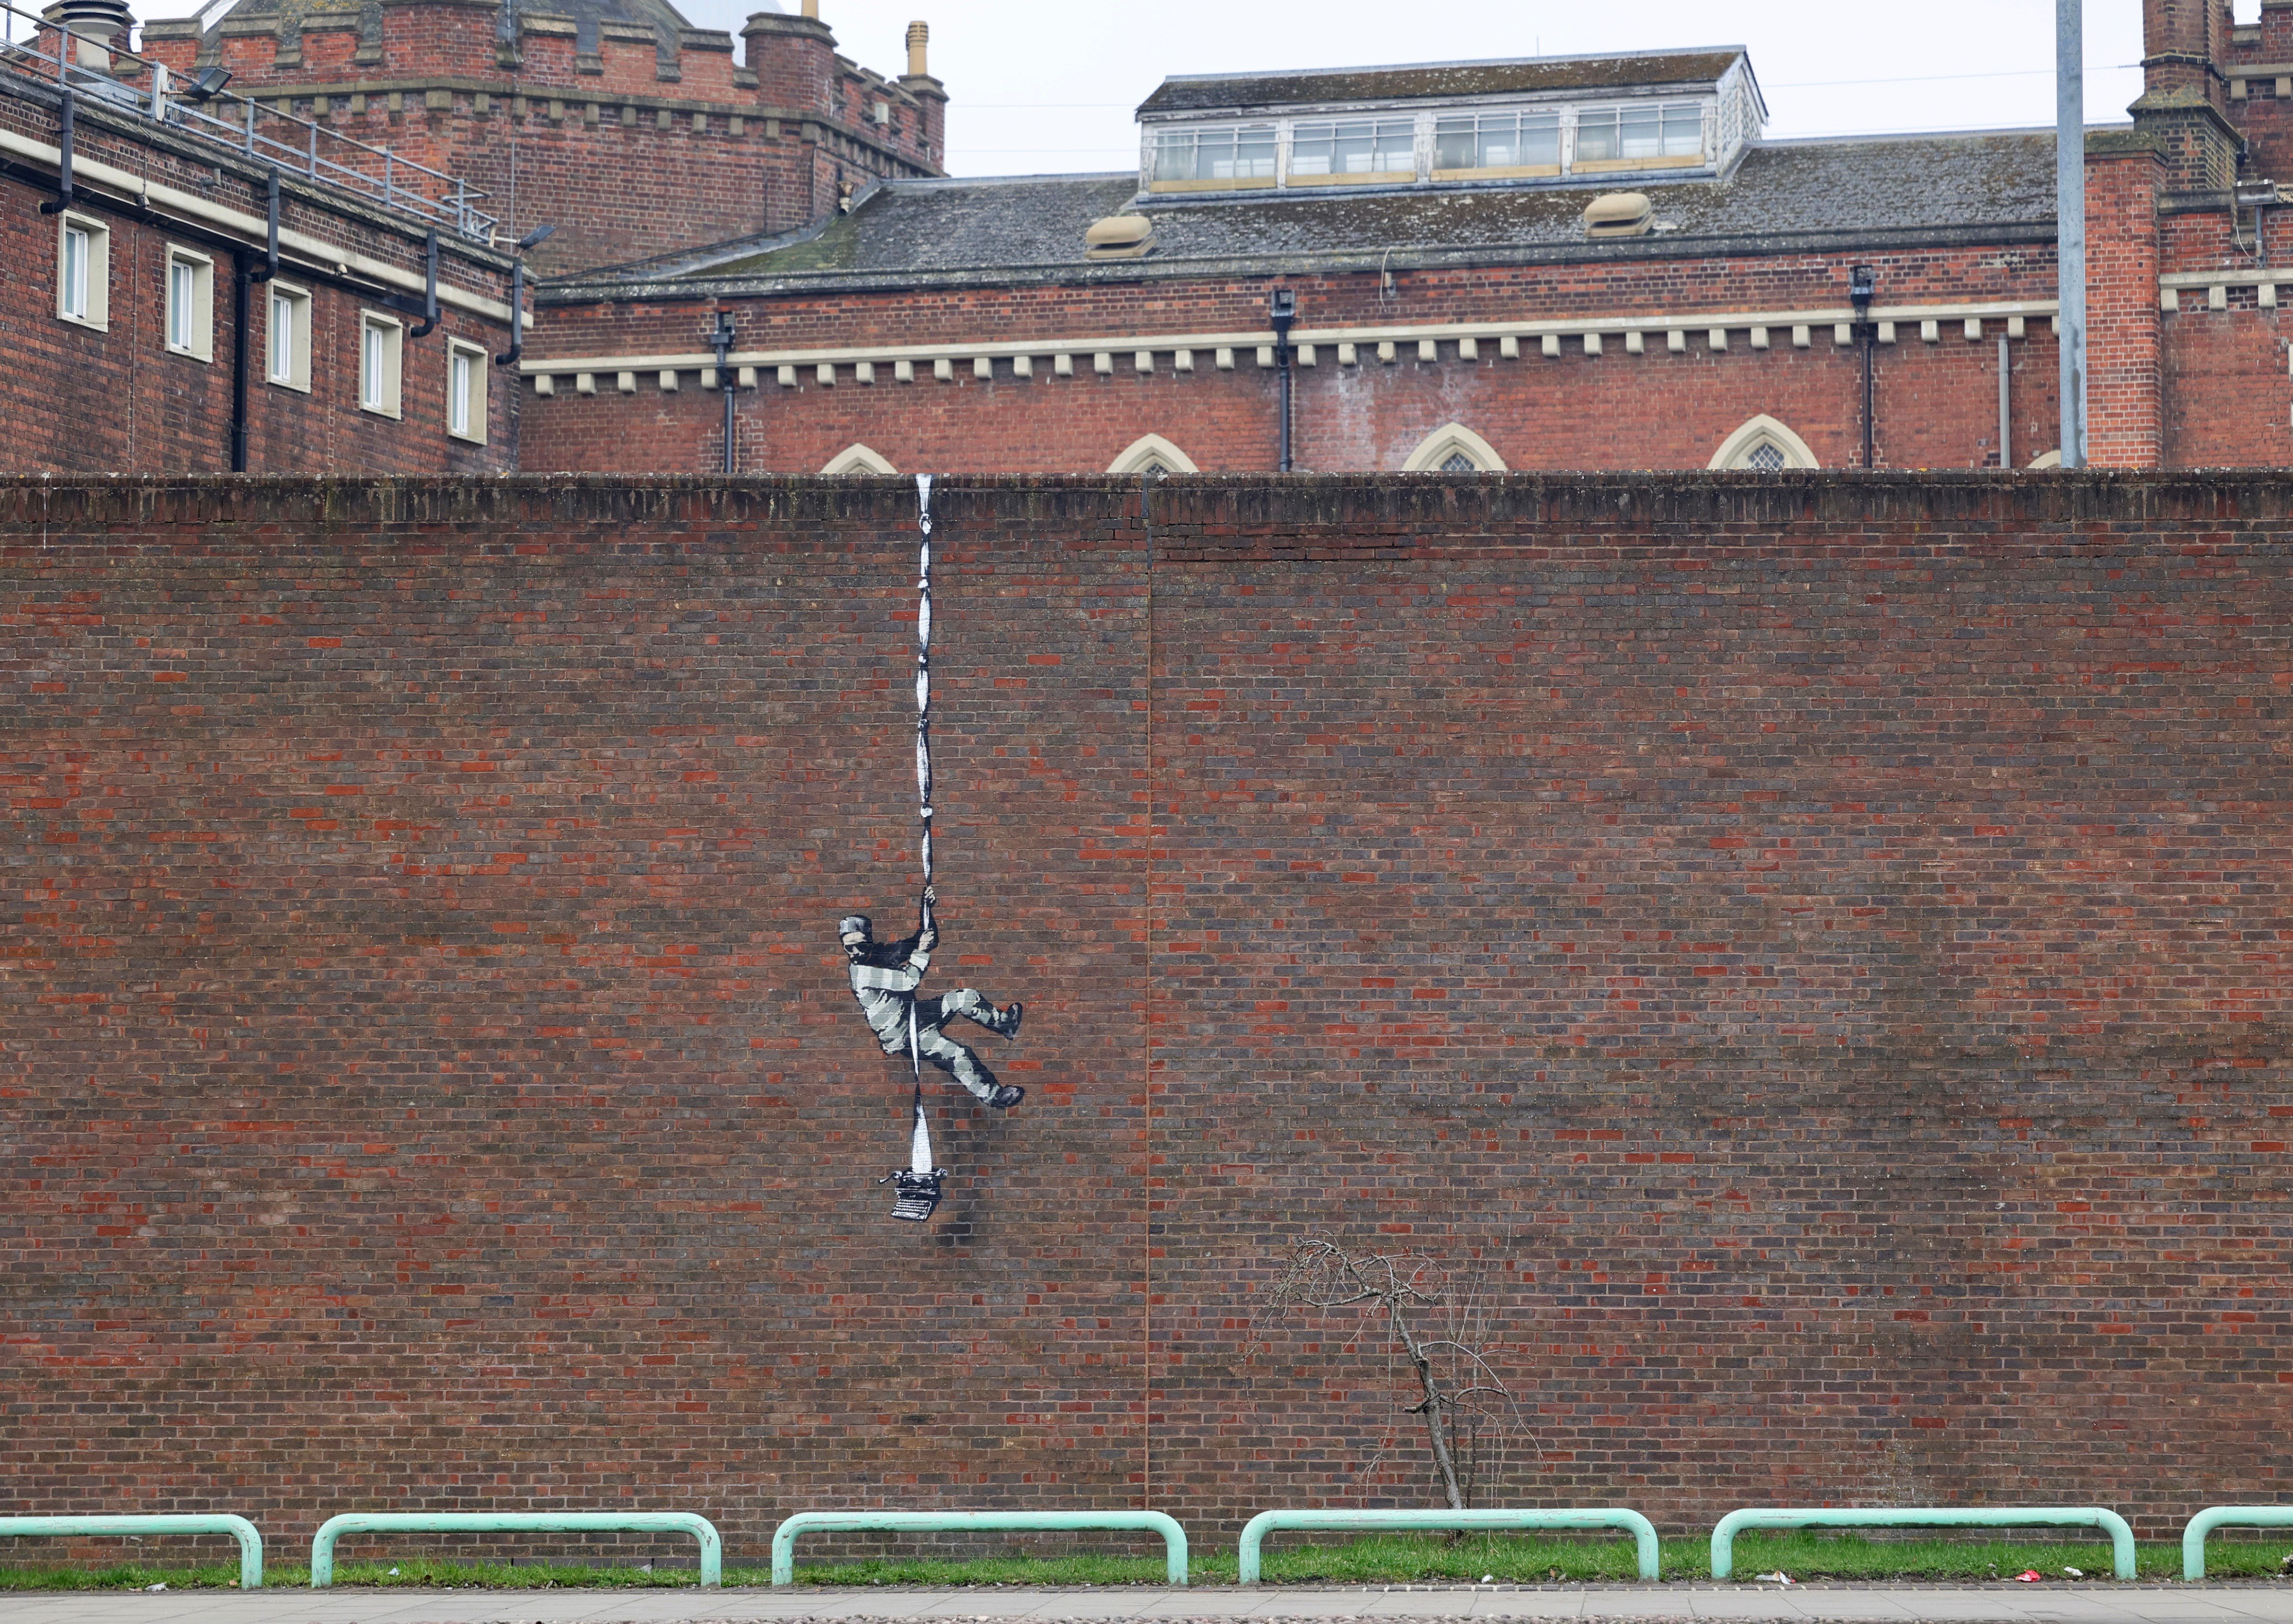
(187, 303)
(1622, 165)
(1337, 128)
(1272, 130)
(1703, 111)
(378, 390)
(1476, 118)
(1756, 432)
(1453, 440)
(297, 300)
(473, 398)
(94, 291)
(1152, 452)
(856, 458)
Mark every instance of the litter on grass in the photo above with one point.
(393, 1573)
(2029, 1576)
(154, 1590)
(1488, 1579)
(1777, 1578)
(2075, 1572)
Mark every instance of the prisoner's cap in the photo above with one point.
(854, 924)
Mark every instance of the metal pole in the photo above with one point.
(1282, 353)
(1284, 308)
(723, 339)
(2069, 215)
(239, 360)
(1870, 330)
(2005, 453)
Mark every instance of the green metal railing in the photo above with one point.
(1265, 1523)
(2193, 1537)
(2121, 1537)
(1174, 1537)
(250, 1542)
(712, 1548)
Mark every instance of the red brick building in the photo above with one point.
(194, 281)
(1456, 306)
(1583, 263)
(583, 114)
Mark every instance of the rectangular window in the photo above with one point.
(191, 304)
(1241, 155)
(1649, 134)
(84, 271)
(380, 338)
(1496, 143)
(465, 391)
(1354, 150)
(288, 363)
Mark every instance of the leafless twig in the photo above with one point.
(1440, 1331)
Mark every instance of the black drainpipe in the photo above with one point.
(1285, 311)
(63, 199)
(239, 282)
(723, 341)
(1862, 282)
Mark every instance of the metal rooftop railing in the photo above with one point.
(294, 146)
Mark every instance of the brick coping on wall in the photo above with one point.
(1193, 505)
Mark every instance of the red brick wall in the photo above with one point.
(1938, 407)
(76, 399)
(1938, 403)
(2232, 399)
(1816, 946)
(2126, 382)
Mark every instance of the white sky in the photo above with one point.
(1042, 86)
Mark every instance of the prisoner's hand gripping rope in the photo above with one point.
(917, 1190)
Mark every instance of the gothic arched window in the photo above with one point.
(1763, 446)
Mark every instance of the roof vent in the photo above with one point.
(1119, 236)
(1619, 213)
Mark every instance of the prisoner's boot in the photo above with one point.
(1006, 1096)
(1006, 1021)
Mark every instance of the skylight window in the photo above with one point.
(1241, 155)
(1642, 132)
(1355, 149)
(1506, 143)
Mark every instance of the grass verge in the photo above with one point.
(1399, 1560)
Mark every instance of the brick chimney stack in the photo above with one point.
(794, 60)
(2184, 95)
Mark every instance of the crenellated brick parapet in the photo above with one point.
(564, 119)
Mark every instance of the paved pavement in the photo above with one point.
(1999, 1603)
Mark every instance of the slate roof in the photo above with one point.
(1784, 196)
(1230, 92)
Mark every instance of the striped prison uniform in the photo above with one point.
(884, 979)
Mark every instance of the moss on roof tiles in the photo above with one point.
(980, 228)
(1536, 73)
(951, 225)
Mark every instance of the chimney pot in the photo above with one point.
(100, 27)
(812, 9)
(919, 36)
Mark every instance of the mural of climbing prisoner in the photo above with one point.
(886, 975)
